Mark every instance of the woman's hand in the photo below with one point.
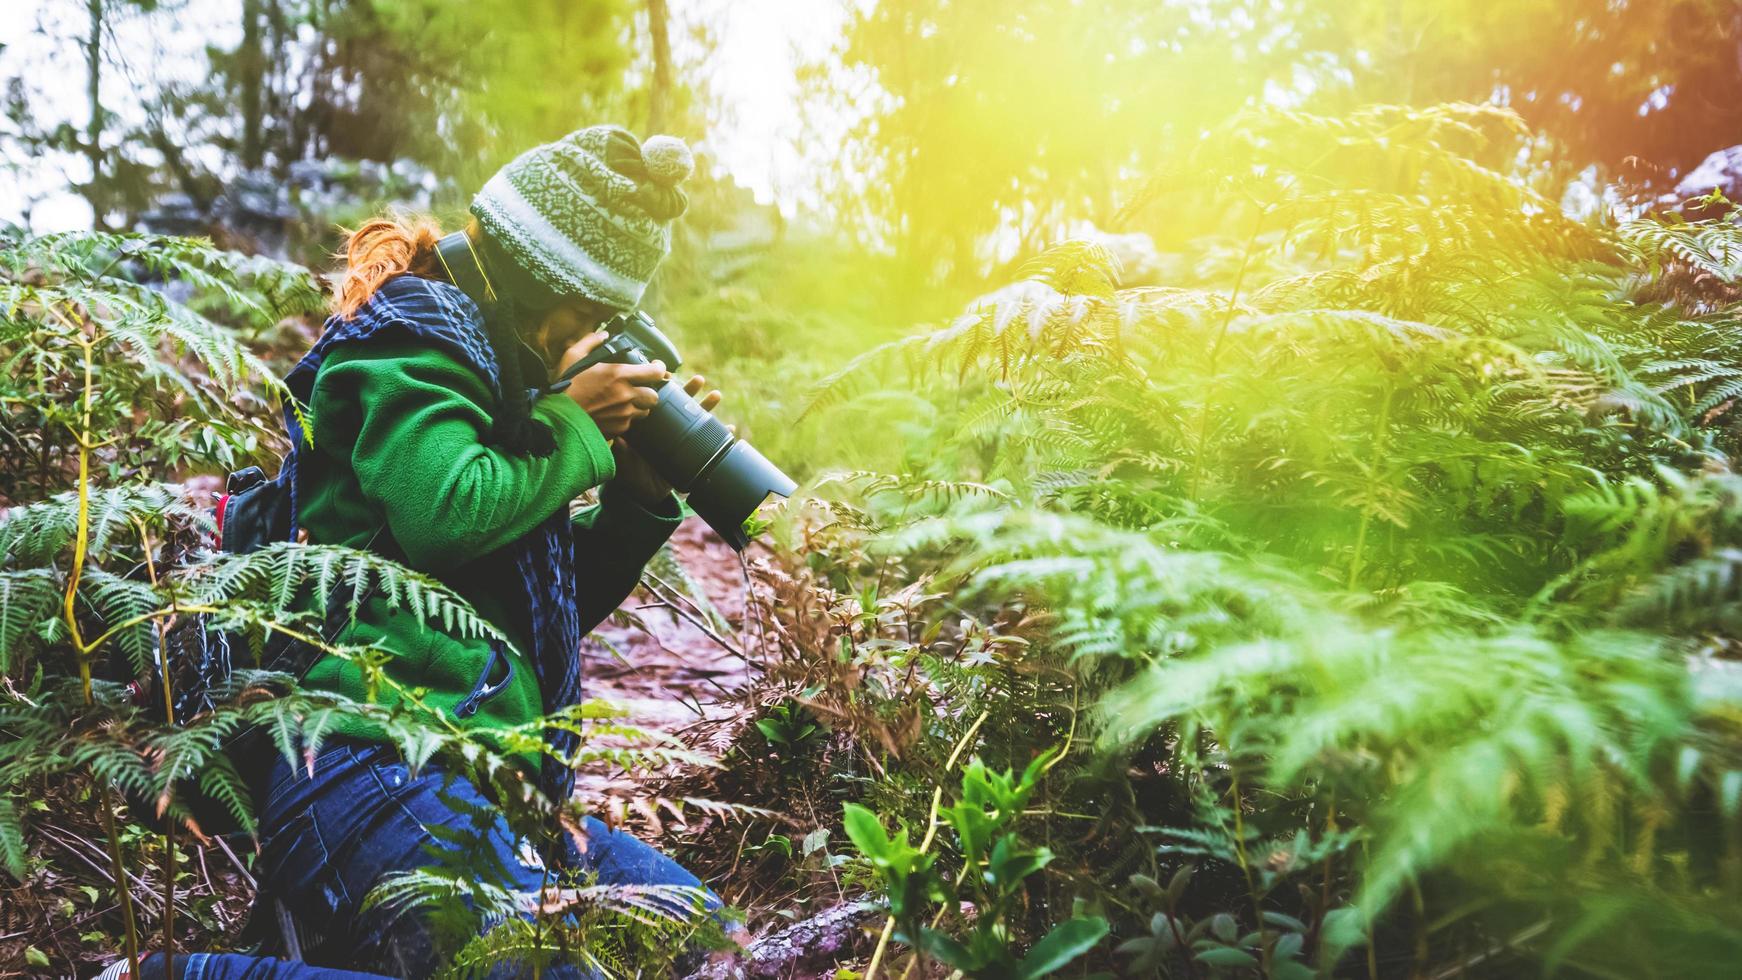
(615, 395)
(634, 473)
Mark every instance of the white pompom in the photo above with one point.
(668, 159)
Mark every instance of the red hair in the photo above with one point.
(378, 251)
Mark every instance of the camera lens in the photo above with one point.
(733, 487)
(726, 478)
(679, 437)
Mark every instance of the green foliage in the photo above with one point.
(1214, 942)
(165, 380)
(995, 864)
(1412, 529)
(988, 127)
(788, 727)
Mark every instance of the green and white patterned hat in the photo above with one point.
(589, 214)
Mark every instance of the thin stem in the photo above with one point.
(122, 892)
(132, 621)
(675, 592)
(169, 785)
(1245, 862)
(753, 611)
(169, 897)
(931, 831)
(1179, 939)
(668, 602)
(81, 546)
(82, 532)
(1325, 881)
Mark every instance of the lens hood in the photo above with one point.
(732, 489)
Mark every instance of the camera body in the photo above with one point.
(725, 477)
(635, 339)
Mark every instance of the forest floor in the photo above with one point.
(666, 672)
(704, 686)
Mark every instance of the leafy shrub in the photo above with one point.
(1403, 561)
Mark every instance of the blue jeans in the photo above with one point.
(328, 839)
(236, 966)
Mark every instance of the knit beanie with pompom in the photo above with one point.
(590, 214)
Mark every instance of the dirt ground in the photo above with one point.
(671, 676)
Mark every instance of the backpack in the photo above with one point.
(252, 513)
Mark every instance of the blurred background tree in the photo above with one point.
(1008, 122)
(961, 133)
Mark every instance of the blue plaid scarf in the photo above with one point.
(439, 314)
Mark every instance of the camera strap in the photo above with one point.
(598, 355)
(465, 270)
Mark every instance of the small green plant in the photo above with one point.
(995, 865)
(789, 728)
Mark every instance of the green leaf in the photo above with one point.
(1067, 941)
(12, 852)
(1176, 886)
(1226, 956)
(1010, 863)
(1344, 929)
(941, 947)
(1284, 920)
(866, 832)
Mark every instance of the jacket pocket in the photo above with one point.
(497, 675)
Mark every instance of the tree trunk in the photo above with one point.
(94, 129)
(659, 96)
(251, 64)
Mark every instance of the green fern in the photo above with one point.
(1416, 512)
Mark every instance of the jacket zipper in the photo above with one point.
(483, 690)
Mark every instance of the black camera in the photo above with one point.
(725, 477)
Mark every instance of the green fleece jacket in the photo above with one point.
(399, 445)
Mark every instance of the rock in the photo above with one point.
(803, 950)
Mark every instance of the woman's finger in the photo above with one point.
(643, 374)
(581, 348)
(643, 398)
(711, 399)
(694, 384)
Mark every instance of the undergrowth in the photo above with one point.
(1377, 590)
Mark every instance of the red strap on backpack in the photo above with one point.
(223, 505)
